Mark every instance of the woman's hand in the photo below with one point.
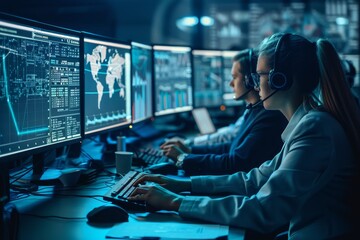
(174, 185)
(158, 197)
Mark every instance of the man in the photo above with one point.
(258, 127)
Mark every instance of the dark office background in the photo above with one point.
(233, 24)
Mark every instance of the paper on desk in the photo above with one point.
(168, 230)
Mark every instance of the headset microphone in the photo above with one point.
(242, 95)
(260, 101)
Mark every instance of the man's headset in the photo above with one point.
(249, 83)
(277, 79)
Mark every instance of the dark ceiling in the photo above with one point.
(103, 17)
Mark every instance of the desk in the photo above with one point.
(36, 228)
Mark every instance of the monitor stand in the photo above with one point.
(4, 183)
(9, 216)
(40, 175)
(109, 148)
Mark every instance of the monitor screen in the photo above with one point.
(173, 79)
(141, 58)
(207, 78)
(107, 79)
(228, 92)
(39, 86)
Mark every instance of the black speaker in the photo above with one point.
(249, 83)
(278, 79)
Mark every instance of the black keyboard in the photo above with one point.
(119, 193)
(152, 156)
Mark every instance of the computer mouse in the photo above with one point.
(108, 214)
(164, 168)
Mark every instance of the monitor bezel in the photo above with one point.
(151, 117)
(17, 20)
(98, 37)
(155, 113)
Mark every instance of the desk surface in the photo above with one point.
(73, 210)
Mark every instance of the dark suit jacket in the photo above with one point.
(258, 140)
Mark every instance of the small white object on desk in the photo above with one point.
(167, 230)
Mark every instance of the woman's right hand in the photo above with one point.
(172, 184)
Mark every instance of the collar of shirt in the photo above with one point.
(294, 120)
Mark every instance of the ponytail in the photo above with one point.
(337, 97)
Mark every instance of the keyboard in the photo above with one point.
(151, 156)
(119, 193)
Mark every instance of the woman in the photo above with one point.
(310, 183)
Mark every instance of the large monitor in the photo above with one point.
(39, 87)
(208, 80)
(142, 104)
(107, 80)
(228, 92)
(173, 79)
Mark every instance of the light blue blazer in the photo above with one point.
(306, 185)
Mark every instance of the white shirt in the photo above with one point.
(306, 184)
(222, 135)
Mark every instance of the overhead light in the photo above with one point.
(188, 21)
(342, 21)
(207, 21)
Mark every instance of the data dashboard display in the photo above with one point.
(173, 79)
(107, 79)
(39, 87)
(141, 58)
(207, 78)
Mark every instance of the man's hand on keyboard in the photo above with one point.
(157, 197)
(178, 144)
(174, 185)
(172, 151)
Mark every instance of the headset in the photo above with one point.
(249, 83)
(278, 79)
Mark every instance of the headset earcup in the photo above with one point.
(278, 81)
(249, 83)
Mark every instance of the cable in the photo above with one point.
(19, 172)
(54, 216)
(26, 172)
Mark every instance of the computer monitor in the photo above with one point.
(39, 87)
(173, 79)
(228, 92)
(107, 83)
(208, 80)
(142, 80)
